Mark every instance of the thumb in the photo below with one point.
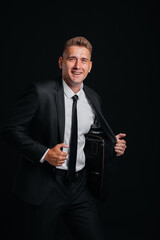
(62, 145)
(120, 135)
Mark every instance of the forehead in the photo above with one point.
(77, 51)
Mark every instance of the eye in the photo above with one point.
(84, 60)
(71, 59)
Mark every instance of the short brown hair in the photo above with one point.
(78, 41)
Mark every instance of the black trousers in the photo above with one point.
(70, 201)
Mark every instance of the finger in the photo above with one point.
(59, 164)
(120, 145)
(57, 157)
(61, 158)
(64, 154)
(121, 141)
(59, 161)
(119, 149)
(119, 152)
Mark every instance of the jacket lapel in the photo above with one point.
(104, 124)
(59, 98)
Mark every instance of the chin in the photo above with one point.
(76, 80)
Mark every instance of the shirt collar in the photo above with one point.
(68, 91)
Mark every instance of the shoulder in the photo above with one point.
(44, 87)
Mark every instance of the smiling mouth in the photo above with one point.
(76, 73)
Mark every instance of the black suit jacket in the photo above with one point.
(36, 124)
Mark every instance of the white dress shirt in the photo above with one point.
(85, 116)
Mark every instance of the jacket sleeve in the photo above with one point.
(15, 129)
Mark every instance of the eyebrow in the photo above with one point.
(76, 57)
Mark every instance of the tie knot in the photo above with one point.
(75, 98)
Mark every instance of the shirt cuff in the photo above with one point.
(43, 157)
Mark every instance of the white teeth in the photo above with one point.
(76, 73)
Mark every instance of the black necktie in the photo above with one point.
(73, 141)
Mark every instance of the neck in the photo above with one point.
(75, 87)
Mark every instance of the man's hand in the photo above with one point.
(55, 156)
(120, 145)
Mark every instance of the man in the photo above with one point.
(51, 176)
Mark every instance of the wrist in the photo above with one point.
(44, 156)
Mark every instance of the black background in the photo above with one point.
(125, 73)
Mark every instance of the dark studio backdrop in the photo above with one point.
(125, 73)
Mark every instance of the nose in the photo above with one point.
(77, 64)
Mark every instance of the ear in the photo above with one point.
(90, 67)
(60, 60)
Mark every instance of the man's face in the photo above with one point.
(75, 65)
